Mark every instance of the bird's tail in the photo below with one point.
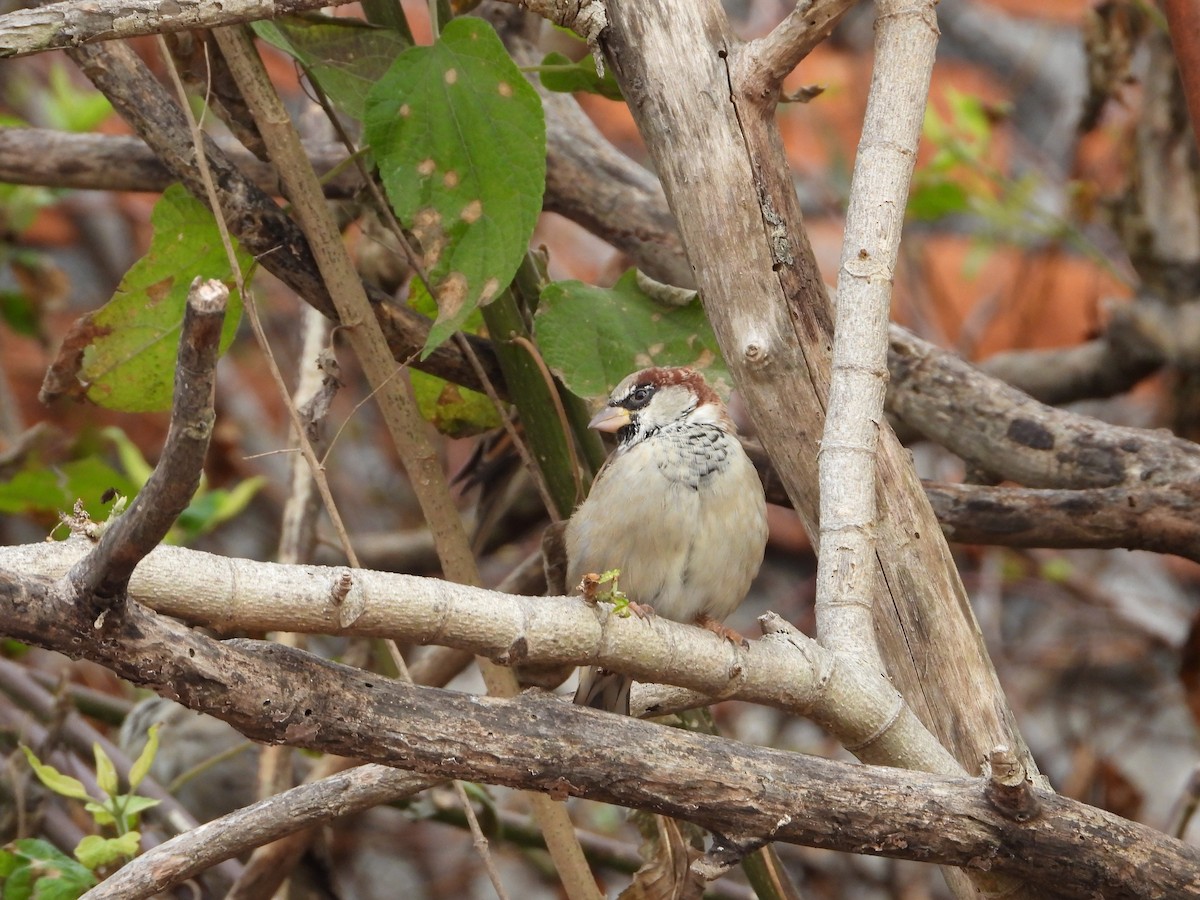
(602, 689)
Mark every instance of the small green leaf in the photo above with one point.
(70, 108)
(460, 140)
(344, 56)
(132, 461)
(106, 772)
(145, 759)
(559, 74)
(33, 868)
(132, 806)
(63, 785)
(1058, 570)
(19, 313)
(95, 851)
(39, 488)
(978, 253)
(129, 363)
(454, 410)
(974, 118)
(100, 812)
(593, 337)
(932, 200)
(210, 508)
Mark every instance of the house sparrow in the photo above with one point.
(678, 508)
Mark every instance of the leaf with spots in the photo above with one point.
(460, 140)
(128, 362)
(345, 56)
(593, 337)
(453, 410)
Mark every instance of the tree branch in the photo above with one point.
(57, 26)
(104, 573)
(847, 580)
(1162, 519)
(191, 853)
(770, 59)
(785, 669)
(117, 162)
(1013, 436)
(272, 694)
(723, 162)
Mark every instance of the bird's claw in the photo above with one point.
(720, 629)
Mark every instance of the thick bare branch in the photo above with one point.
(1163, 519)
(1013, 436)
(847, 580)
(1140, 337)
(720, 157)
(56, 26)
(785, 669)
(117, 162)
(272, 694)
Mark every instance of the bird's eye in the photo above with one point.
(639, 397)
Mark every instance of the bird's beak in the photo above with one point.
(611, 418)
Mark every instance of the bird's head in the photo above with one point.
(656, 398)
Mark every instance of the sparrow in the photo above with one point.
(678, 508)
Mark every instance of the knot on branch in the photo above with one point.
(1008, 788)
(726, 852)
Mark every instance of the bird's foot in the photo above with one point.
(641, 610)
(720, 629)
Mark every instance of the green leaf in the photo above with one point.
(1058, 570)
(454, 410)
(559, 74)
(130, 362)
(63, 785)
(593, 337)
(210, 508)
(33, 868)
(71, 109)
(95, 851)
(19, 313)
(101, 814)
(132, 461)
(932, 200)
(132, 806)
(39, 488)
(971, 116)
(460, 140)
(19, 207)
(106, 772)
(978, 253)
(141, 765)
(344, 56)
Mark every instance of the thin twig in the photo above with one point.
(306, 448)
(103, 576)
